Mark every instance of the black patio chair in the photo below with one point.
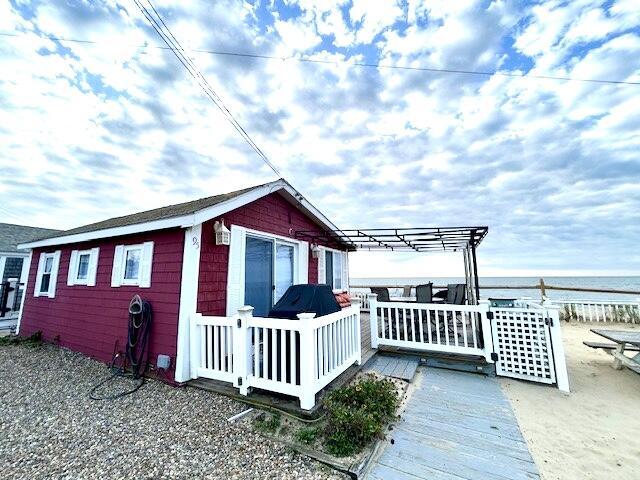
(424, 293)
(456, 293)
(383, 293)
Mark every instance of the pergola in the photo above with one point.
(429, 239)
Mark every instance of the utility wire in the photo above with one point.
(303, 59)
(172, 43)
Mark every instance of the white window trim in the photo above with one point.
(74, 266)
(53, 278)
(322, 270)
(279, 240)
(237, 269)
(144, 271)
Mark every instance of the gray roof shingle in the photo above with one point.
(12, 235)
(161, 213)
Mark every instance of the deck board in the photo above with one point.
(403, 368)
(456, 426)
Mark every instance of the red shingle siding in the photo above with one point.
(270, 214)
(91, 319)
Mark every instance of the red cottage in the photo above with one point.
(81, 281)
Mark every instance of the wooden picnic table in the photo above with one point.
(622, 338)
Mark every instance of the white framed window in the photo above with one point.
(83, 267)
(47, 275)
(132, 265)
(333, 268)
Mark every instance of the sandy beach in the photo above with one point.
(591, 433)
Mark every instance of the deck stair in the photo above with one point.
(402, 367)
(460, 363)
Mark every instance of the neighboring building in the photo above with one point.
(80, 281)
(14, 266)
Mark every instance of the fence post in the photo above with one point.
(562, 377)
(487, 334)
(373, 318)
(307, 361)
(355, 305)
(241, 350)
(195, 353)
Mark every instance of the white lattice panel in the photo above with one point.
(522, 341)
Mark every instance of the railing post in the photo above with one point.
(373, 318)
(355, 305)
(562, 377)
(487, 334)
(195, 354)
(241, 350)
(307, 361)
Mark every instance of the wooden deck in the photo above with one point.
(456, 426)
(403, 368)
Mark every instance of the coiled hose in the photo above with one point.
(136, 351)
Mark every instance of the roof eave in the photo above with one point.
(189, 220)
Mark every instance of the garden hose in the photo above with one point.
(136, 354)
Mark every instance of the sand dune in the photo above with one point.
(595, 431)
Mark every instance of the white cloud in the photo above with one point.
(539, 161)
(373, 17)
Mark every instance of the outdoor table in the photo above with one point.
(622, 338)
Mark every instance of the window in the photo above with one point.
(132, 265)
(83, 266)
(335, 269)
(47, 274)
(12, 268)
(45, 281)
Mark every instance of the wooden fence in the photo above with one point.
(599, 310)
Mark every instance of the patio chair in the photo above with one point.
(383, 293)
(456, 293)
(424, 293)
(406, 291)
(383, 296)
(455, 296)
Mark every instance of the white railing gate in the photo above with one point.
(528, 344)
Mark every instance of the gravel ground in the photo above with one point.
(49, 428)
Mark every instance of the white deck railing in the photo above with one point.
(431, 327)
(599, 310)
(362, 295)
(292, 357)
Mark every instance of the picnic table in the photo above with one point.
(623, 339)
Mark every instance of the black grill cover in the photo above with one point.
(318, 299)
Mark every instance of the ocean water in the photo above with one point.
(618, 283)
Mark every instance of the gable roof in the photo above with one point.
(180, 215)
(11, 235)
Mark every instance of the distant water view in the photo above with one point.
(618, 283)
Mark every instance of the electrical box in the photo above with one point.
(164, 362)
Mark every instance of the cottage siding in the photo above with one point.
(91, 319)
(271, 214)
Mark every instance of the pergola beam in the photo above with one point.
(402, 239)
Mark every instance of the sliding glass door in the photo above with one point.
(258, 278)
(269, 271)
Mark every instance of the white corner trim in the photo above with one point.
(188, 299)
(190, 220)
(24, 293)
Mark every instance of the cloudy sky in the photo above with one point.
(90, 131)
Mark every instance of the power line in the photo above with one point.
(163, 31)
(303, 59)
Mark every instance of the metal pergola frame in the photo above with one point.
(428, 239)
